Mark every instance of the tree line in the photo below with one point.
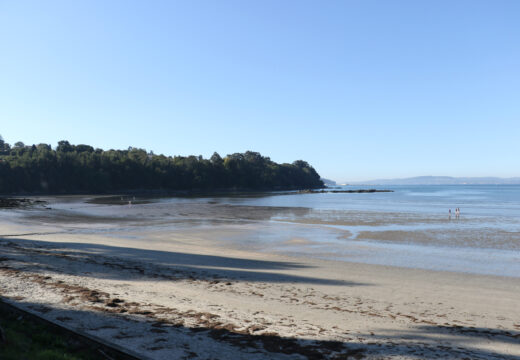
(81, 168)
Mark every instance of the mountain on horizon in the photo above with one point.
(442, 180)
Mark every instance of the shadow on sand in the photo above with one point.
(157, 330)
(153, 337)
(124, 263)
(447, 342)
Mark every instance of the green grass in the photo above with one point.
(31, 340)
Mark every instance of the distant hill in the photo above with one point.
(328, 182)
(443, 180)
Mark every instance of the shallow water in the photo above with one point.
(409, 227)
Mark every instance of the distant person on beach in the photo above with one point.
(449, 214)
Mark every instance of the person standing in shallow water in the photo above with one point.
(449, 214)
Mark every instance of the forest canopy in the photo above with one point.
(81, 168)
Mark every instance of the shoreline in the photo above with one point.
(412, 240)
(19, 200)
(380, 238)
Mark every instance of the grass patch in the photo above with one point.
(27, 338)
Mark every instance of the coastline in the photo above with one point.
(189, 296)
(20, 200)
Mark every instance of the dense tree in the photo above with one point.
(81, 168)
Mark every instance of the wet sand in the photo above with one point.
(179, 292)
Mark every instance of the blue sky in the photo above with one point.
(360, 89)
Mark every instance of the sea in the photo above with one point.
(409, 227)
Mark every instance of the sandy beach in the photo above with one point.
(182, 295)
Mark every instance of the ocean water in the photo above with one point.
(409, 227)
(474, 200)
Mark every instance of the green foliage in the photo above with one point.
(81, 168)
(26, 339)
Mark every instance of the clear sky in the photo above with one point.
(360, 89)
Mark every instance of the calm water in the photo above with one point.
(474, 200)
(409, 227)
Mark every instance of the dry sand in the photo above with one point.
(181, 296)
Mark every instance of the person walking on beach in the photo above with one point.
(449, 214)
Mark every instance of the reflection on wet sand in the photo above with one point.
(337, 234)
